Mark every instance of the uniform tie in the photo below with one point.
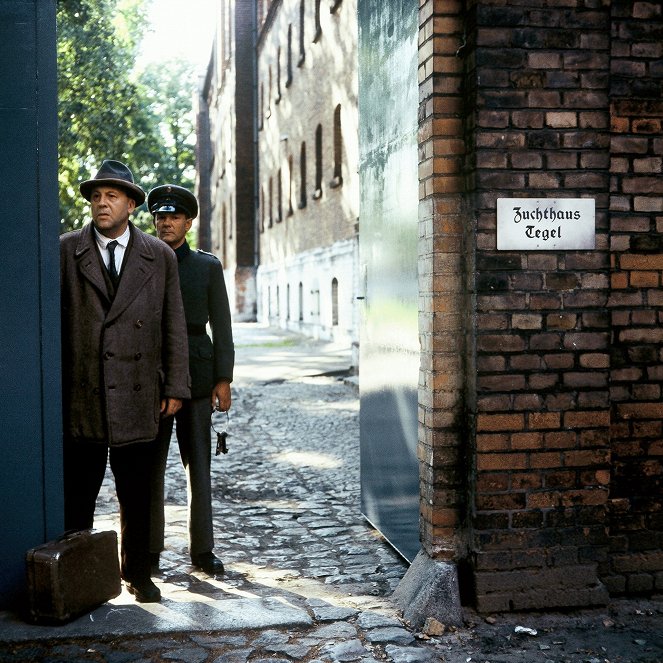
(112, 269)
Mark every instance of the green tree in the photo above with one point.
(108, 110)
(169, 87)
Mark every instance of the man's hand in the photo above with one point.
(221, 399)
(169, 406)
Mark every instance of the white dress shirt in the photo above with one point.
(122, 243)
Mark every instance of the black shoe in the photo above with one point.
(145, 591)
(154, 563)
(209, 563)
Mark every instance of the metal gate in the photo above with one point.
(389, 342)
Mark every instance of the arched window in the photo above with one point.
(271, 203)
(301, 302)
(224, 221)
(288, 79)
(262, 209)
(231, 217)
(302, 22)
(302, 176)
(278, 76)
(334, 298)
(337, 179)
(279, 197)
(318, 163)
(287, 302)
(318, 27)
(290, 168)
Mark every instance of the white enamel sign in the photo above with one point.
(545, 224)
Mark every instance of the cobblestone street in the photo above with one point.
(307, 579)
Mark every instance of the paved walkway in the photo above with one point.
(307, 579)
(306, 576)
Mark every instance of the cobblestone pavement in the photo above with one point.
(307, 579)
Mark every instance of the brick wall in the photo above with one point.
(636, 302)
(547, 408)
(443, 283)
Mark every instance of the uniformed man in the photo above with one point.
(211, 364)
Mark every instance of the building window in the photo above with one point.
(287, 302)
(318, 163)
(278, 76)
(337, 179)
(288, 80)
(262, 209)
(279, 198)
(231, 218)
(302, 176)
(278, 302)
(271, 203)
(301, 302)
(302, 22)
(290, 209)
(224, 221)
(318, 28)
(334, 298)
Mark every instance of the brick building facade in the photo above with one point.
(277, 152)
(226, 156)
(307, 154)
(541, 439)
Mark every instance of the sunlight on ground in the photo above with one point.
(308, 459)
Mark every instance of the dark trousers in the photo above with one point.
(84, 470)
(195, 442)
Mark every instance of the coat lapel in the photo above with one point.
(89, 262)
(137, 269)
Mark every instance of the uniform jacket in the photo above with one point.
(206, 300)
(120, 355)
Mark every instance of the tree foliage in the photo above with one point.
(108, 110)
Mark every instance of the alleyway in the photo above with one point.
(307, 579)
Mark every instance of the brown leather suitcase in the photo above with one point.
(72, 575)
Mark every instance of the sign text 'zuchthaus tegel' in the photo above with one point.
(545, 224)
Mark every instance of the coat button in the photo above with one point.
(95, 391)
(108, 355)
(137, 356)
(136, 387)
(138, 324)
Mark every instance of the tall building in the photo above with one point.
(281, 160)
(226, 155)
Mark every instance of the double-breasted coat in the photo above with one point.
(120, 355)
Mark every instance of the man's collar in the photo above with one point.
(182, 251)
(122, 240)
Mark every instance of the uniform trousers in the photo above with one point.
(84, 470)
(192, 428)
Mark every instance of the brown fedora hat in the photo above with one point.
(113, 173)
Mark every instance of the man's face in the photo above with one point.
(111, 208)
(172, 227)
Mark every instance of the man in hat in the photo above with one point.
(211, 363)
(124, 363)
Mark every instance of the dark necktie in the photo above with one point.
(112, 270)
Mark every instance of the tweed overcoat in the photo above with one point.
(121, 355)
